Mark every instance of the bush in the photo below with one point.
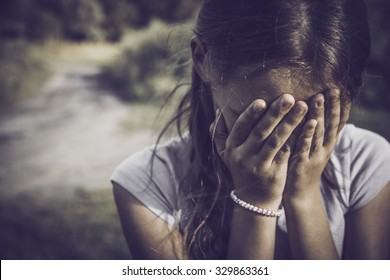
(14, 18)
(86, 19)
(83, 20)
(133, 74)
(42, 19)
(150, 68)
(43, 24)
(119, 15)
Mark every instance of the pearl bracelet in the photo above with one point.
(258, 210)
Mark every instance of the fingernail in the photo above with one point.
(334, 94)
(217, 111)
(336, 91)
(285, 103)
(299, 110)
(313, 124)
(259, 105)
(320, 101)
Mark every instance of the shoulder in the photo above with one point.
(362, 157)
(153, 158)
(363, 147)
(359, 138)
(152, 175)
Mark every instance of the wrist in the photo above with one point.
(304, 200)
(256, 199)
(260, 210)
(301, 191)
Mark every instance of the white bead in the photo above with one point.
(250, 207)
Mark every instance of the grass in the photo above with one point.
(151, 63)
(86, 227)
(91, 53)
(22, 73)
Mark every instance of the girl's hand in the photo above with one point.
(315, 144)
(256, 151)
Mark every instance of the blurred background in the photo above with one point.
(81, 86)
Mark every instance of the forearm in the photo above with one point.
(252, 236)
(307, 223)
(308, 228)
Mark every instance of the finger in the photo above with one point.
(245, 122)
(219, 133)
(289, 146)
(316, 112)
(275, 147)
(304, 141)
(333, 108)
(266, 125)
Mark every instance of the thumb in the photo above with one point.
(219, 133)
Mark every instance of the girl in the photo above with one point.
(268, 168)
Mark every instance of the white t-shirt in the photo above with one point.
(362, 168)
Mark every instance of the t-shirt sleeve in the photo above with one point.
(370, 166)
(154, 187)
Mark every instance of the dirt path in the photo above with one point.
(68, 137)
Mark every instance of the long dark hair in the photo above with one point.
(330, 38)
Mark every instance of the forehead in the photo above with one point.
(247, 85)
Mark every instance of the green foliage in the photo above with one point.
(41, 24)
(21, 72)
(83, 227)
(121, 14)
(94, 20)
(150, 68)
(80, 20)
(132, 75)
(14, 17)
